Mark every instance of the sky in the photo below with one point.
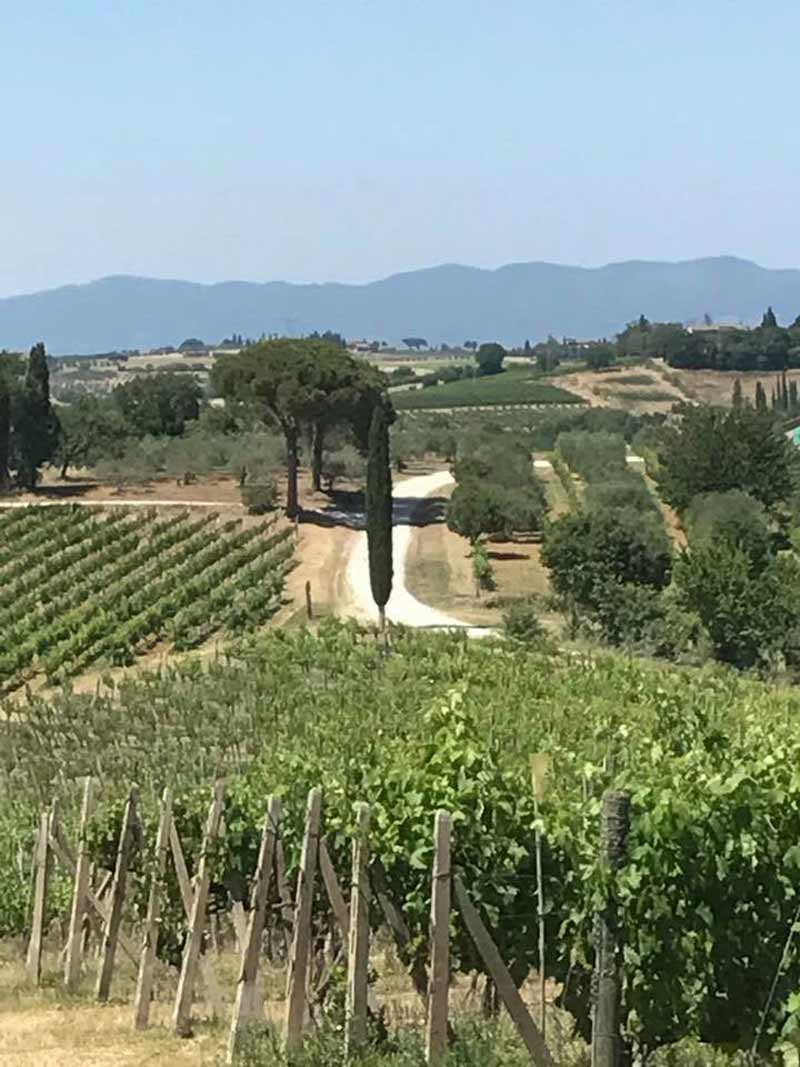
(321, 141)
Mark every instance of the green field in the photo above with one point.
(517, 386)
(80, 586)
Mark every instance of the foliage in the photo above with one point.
(489, 358)
(593, 455)
(28, 425)
(521, 623)
(79, 587)
(586, 550)
(732, 517)
(482, 569)
(497, 491)
(301, 386)
(626, 491)
(600, 355)
(260, 496)
(91, 430)
(708, 757)
(716, 450)
(158, 405)
(751, 614)
(515, 387)
(378, 499)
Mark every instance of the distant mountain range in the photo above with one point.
(449, 303)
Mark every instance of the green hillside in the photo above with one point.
(513, 386)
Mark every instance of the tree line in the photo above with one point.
(767, 347)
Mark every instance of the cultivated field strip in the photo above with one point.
(80, 586)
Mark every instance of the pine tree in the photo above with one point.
(761, 397)
(769, 322)
(35, 425)
(736, 398)
(379, 511)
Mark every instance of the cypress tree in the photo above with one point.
(736, 399)
(35, 425)
(774, 398)
(379, 511)
(793, 397)
(761, 397)
(769, 322)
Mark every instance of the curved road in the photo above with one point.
(402, 608)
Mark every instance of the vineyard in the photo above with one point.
(709, 760)
(80, 586)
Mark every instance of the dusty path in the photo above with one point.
(137, 502)
(402, 608)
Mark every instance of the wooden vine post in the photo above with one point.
(335, 896)
(358, 947)
(144, 981)
(606, 1017)
(244, 1007)
(299, 952)
(113, 918)
(78, 913)
(182, 1013)
(439, 974)
(499, 973)
(41, 877)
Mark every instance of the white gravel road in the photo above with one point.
(402, 608)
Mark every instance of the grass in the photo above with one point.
(653, 396)
(635, 379)
(517, 386)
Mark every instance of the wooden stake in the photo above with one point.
(78, 915)
(144, 981)
(239, 924)
(509, 994)
(33, 960)
(439, 974)
(213, 992)
(113, 921)
(309, 605)
(614, 826)
(358, 949)
(244, 1004)
(335, 895)
(301, 932)
(182, 1013)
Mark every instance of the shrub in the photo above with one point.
(594, 456)
(259, 497)
(482, 569)
(629, 492)
(586, 550)
(735, 518)
(521, 623)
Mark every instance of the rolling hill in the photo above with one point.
(446, 303)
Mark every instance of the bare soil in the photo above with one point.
(439, 572)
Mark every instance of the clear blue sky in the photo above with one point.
(320, 140)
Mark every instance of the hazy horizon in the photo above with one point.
(313, 143)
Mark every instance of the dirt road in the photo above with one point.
(402, 608)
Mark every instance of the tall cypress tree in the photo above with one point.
(761, 397)
(379, 511)
(35, 425)
(793, 396)
(736, 399)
